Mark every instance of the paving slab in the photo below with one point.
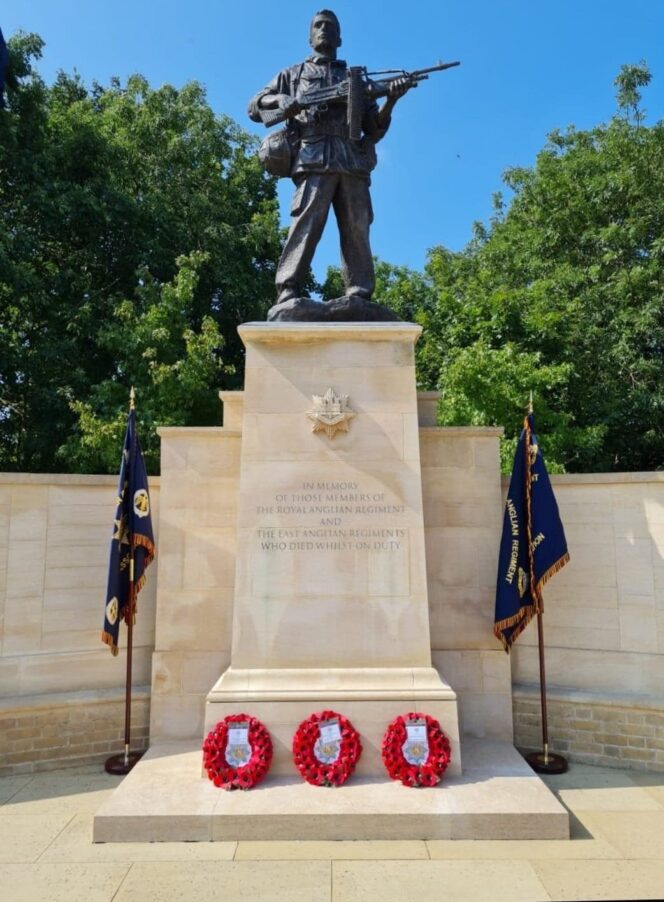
(522, 850)
(9, 786)
(498, 796)
(58, 791)
(590, 776)
(470, 881)
(636, 834)
(248, 881)
(61, 882)
(23, 837)
(598, 880)
(75, 843)
(338, 851)
(652, 783)
(613, 798)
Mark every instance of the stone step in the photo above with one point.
(165, 799)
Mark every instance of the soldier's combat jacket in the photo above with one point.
(324, 145)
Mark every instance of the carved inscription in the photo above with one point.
(328, 512)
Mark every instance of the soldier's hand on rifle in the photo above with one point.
(283, 102)
(289, 106)
(399, 87)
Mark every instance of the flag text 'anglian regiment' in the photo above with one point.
(533, 545)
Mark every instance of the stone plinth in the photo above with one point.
(165, 799)
(330, 605)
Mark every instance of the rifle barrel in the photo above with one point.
(437, 68)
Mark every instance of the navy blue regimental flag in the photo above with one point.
(533, 545)
(4, 60)
(132, 543)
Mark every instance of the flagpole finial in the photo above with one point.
(132, 399)
(530, 402)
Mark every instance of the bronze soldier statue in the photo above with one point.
(333, 123)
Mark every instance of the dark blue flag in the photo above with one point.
(533, 545)
(4, 60)
(132, 543)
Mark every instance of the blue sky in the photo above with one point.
(527, 67)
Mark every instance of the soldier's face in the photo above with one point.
(324, 34)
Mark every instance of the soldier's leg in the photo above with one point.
(309, 209)
(352, 207)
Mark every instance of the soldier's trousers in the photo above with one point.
(315, 193)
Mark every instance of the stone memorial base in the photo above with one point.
(293, 578)
(282, 699)
(330, 607)
(165, 799)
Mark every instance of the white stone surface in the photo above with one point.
(330, 602)
(165, 798)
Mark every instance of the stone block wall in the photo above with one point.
(463, 520)
(593, 729)
(603, 622)
(61, 691)
(195, 575)
(62, 729)
(56, 677)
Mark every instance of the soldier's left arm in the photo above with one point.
(378, 119)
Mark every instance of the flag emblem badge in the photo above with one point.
(112, 611)
(141, 503)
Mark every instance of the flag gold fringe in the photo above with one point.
(524, 615)
(108, 639)
(520, 620)
(144, 542)
(554, 568)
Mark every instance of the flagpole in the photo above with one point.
(544, 762)
(122, 764)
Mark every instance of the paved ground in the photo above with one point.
(617, 852)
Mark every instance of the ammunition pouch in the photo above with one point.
(277, 152)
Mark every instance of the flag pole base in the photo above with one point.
(547, 763)
(121, 764)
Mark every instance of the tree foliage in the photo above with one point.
(102, 191)
(563, 293)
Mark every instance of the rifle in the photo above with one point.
(355, 91)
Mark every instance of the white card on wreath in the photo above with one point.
(416, 732)
(238, 735)
(330, 731)
(238, 750)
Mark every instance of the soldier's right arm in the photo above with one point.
(278, 94)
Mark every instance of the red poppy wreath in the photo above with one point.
(326, 748)
(415, 750)
(237, 753)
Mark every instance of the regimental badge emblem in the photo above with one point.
(523, 582)
(330, 413)
(238, 749)
(141, 503)
(416, 747)
(327, 747)
(112, 611)
(120, 530)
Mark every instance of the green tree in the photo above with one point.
(563, 292)
(102, 190)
